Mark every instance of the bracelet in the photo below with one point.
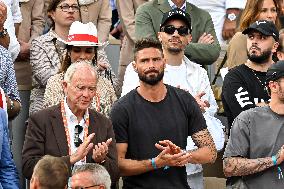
(280, 174)
(274, 160)
(154, 165)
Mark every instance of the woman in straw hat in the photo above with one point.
(82, 44)
(48, 50)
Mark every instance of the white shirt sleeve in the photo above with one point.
(14, 46)
(131, 80)
(239, 4)
(16, 11)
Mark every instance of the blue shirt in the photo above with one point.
(7, 75)
(9, 178)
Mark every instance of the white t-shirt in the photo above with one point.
(177, 76)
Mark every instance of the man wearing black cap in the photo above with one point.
(204, 48)
(255, 150)
(244, 86)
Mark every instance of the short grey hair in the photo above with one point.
(100, 176)
(77, 65)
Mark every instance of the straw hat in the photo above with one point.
(83, 35)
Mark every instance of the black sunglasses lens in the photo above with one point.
(77, 141)
(182, 31)
(78, 129)
(169, 29)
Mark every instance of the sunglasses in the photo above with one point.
(77, 140)
(170, 29)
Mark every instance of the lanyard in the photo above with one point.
(64, 117)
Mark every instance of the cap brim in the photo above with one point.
(83, 43)
(248, 30)
(176, 16)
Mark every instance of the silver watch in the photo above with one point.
(231, 16)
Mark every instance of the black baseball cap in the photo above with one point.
(265, 27)
(275, 71)
(176, 14)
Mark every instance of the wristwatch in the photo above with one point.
(12, 105)
(3, 33)
(231, 16)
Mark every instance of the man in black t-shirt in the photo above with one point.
(152, 123)
(244, 86)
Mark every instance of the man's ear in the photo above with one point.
(280, 55)
(275, 46)
(134, 66)
(189, 38)
(159, 36)
(64, 85)
(34, 183)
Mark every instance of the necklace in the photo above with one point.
(263, 84)
(64, 117)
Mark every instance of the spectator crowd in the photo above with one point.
(70, 119)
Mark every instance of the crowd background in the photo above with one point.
(36, 51)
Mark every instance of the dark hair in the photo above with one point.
(67, 59)
(52, 7)
(146, 43)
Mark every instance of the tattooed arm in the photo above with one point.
(239, 166)
(206, 152)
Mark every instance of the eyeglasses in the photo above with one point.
(77, 140)
(81, 89)
(170, 29)
(66, 8)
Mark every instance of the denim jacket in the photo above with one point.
(9, 178)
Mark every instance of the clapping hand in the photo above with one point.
(202, 103)
(100, 151)
(171, 155)
(82, 150)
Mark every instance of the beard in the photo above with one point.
(260, 59)
(281, 94)
(152, 79)
(174, 50)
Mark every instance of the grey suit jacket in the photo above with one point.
(46, 135)
(147, 24)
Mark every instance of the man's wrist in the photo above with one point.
(12, 105)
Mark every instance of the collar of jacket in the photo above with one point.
(86, 2)
(164, 6)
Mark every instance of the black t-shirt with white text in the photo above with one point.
(141, 124)
(242, 89)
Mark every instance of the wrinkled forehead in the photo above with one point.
(84, 76)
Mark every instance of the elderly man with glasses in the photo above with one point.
(90, 175)
(71, 130)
